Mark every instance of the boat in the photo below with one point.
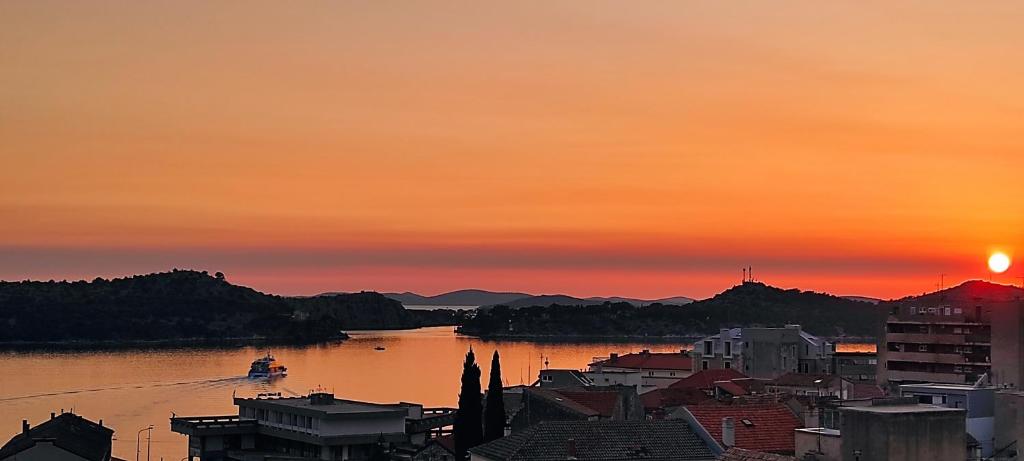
(379, 348)
(267, 367)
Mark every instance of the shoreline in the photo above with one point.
(159, 343)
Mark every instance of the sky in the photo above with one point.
(584, 147)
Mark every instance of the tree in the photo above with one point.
(494, 412)
(468, 426)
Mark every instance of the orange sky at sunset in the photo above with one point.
(589, 148)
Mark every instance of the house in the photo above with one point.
(660, 402)
(609, 378)
(438, 449)
(903, 430)
(811, 384)
(739, 454)
(617, 403)
(599, 441)
(657, 369)
(316, 426)
(978, 401)
(557, 378)
(721, 351)
(705, 379)
(65, 437)
(772, 352)
(764, 427)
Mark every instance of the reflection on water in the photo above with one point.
(130, 389)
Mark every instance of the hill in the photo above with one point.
(456, 298)
(749, 304)
(182, 305)
(967, 292)
(675, 300)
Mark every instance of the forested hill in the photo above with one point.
(749, 304)
(182, 305)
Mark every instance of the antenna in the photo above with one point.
(744, 275)
(942, 281)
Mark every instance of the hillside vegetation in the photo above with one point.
(749, 304)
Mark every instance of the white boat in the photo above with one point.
(267, 367)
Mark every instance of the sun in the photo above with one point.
(999, 262)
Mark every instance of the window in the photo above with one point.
(957, 310)
(946, 311)
(671, 373)
(747, 422)
(704, 365)
(709, 348)
(650, 373)
(957, 330)
(728, 348)
(546, 378)
(968, 349)
(922, 348)
(727, 364)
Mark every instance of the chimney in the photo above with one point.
(728, 433)
(614, 355)
(570, 448)
(101, 423)
(53, 415)
(24, 426)
(645, 351)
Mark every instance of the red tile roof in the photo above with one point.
(866, 391)
(731, 388)
(705, 379)
(601, 402)
(650, 361)
(770, 427)
(668, 398)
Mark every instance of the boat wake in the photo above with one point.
(205, 382)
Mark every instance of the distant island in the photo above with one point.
(184, 306)
(748, 304)
(474, 297)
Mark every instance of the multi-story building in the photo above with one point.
(657, 369)
(724, 350)
(978, 401)
(855, 366)
(935, 339)
(768, 353)
(318, 426)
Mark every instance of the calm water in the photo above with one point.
(130, 389)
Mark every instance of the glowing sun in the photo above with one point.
(998, 262)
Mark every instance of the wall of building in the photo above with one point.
(903, 436)
(818, 444)
(376, 424)
(1008, 345)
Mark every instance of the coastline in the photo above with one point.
(160, 343)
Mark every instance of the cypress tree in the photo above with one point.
(468, 426)
(494, 412)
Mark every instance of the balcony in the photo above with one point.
(931, 357)
(926, 377)
(927, 338)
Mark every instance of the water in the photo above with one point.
(131, 389)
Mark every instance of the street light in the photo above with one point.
(138, 441)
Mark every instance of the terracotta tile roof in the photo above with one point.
(759, 426)
(650, 361)
(599, 441)
(705, 379)
(602, 402)
(739, 454)
(731, 388)
(751, 385)
(669, 397)
(565, 402)
(867, 391)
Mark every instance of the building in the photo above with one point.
(599, 440)
(595, 403)
(819, 444)
(438, 449)
(603, 377)
(64, 437)
(768, 353)
(766, 427)
(318, 426)
(855, 366)
(657, 369)
(558, 378)
(811, 385)
(978, 401)
(724, 350)
(901, 430)
(739, 454)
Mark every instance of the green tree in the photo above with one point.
(468, 426)
(494, 412)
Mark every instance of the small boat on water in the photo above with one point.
(267, 367)
(379, 348)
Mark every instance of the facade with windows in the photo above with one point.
(772, 352)
(724, 350)
(942, 343)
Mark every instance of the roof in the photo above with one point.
(445, 441)
(910, 408)
(649, 361)
(564, 378)
(336, 407)
(731, 388)
(69, 432)
(770, 427)
(867, 391)
(739, 454)
(599, 440)
(669, 397)
(706, 379)
(563, 401)
(804, 380)
(603, 402)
